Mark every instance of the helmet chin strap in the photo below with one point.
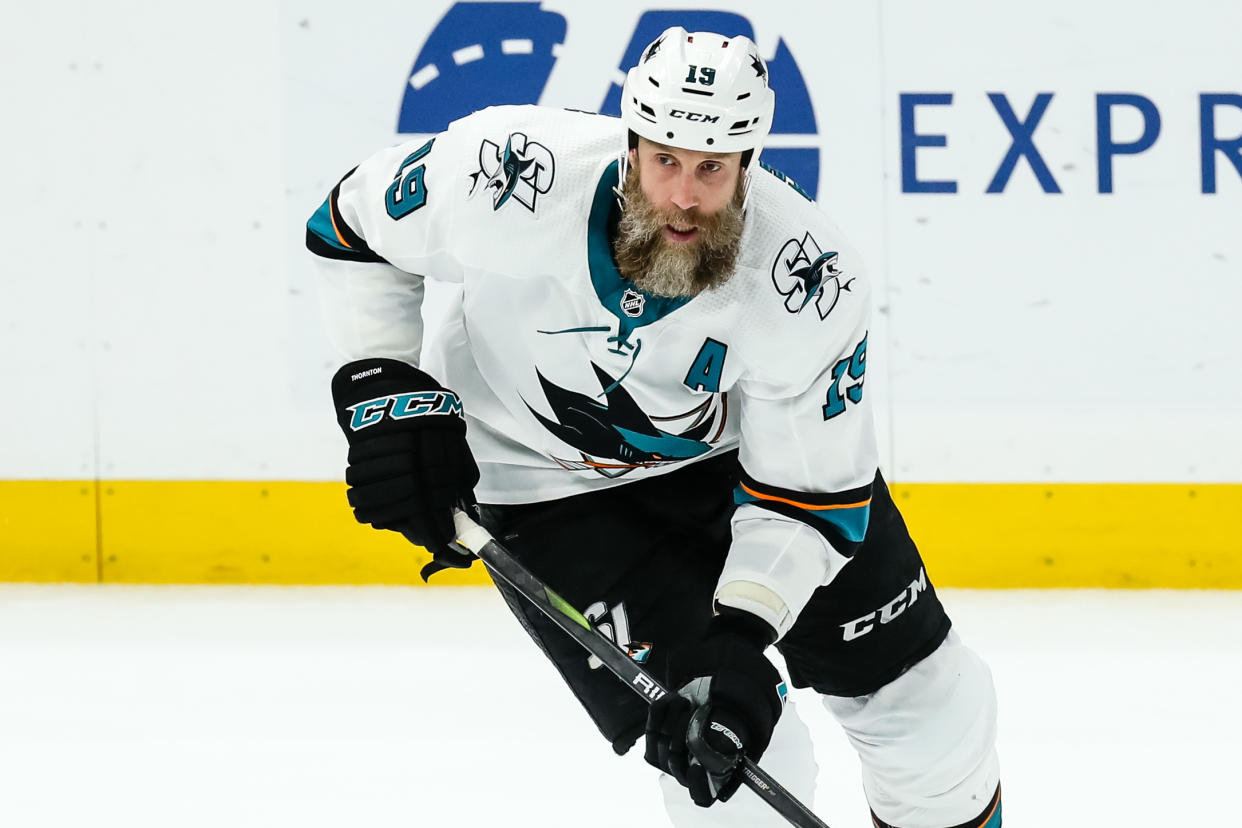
(623, 169)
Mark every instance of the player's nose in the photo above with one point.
(684, 195)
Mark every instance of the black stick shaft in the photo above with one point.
(500, 562)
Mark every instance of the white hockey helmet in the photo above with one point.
(700, 91)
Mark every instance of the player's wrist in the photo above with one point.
(376, 395)
(739, 623)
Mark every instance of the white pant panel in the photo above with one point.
(790, 759)
(927, 740)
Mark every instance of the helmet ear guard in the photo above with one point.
(699, 91)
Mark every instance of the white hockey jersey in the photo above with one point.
(572, 378)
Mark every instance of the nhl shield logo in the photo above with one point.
(632, 303)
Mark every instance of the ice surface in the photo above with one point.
(301, 707)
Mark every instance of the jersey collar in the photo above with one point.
(615, 292)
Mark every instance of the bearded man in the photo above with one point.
(657, 356)
(681, 238)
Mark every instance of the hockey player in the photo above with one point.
(652, 376)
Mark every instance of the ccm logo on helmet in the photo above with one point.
(693, 116)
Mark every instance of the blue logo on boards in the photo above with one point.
(480, 55)
(487, 54)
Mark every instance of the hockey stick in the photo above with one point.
(500, 561)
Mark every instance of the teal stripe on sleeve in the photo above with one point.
(851, 522)
(321, 225)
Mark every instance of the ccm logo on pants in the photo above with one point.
(889, 612)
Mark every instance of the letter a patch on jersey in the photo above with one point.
(704, 373)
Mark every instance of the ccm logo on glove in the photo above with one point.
(409, 464)
(403, 406)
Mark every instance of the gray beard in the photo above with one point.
(671, 270)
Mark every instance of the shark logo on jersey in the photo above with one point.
(523, 171)
(803, 272)
(618, 437)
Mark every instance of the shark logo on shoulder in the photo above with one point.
(803, 272)
(524, 170)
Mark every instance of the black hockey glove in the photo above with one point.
(409, 464)
(729, 699)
